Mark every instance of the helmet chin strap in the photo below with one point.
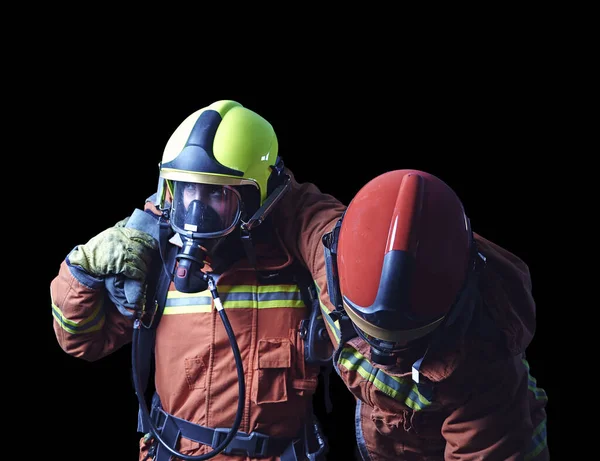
(260, 215)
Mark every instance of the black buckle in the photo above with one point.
(315, 455)
(253, 445)
(158, 417)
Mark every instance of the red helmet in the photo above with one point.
(404, 252)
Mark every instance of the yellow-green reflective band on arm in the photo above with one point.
(403, 390)
(335, 326)
(540, 394)
(539, 441)
(94, 322)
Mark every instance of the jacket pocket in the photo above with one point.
(273, 363)
(195, 372)
(415, 431)
(390, 423)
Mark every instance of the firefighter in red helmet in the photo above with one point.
(430, 321)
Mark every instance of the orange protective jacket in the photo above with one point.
(195, 374)
(481, 401)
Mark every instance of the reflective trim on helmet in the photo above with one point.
(400, 389)
(395, 336)
(206, 178)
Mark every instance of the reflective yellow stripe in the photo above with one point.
(539, 441)
(334, 326)
(180, 295)
(538, 392)
(94, 322)
(264, 304)
(236, 297)
(403, 390)
(257, 288)
(187, 303)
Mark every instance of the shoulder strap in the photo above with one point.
(312, 330)
(159, 280)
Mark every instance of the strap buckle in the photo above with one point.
(253, 445)
(159, 417)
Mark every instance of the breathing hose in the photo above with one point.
(241, 383)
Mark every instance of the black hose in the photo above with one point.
(241, 388)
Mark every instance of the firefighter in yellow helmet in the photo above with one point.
(430, 319)
(200, 283)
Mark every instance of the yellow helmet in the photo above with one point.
(223, 145)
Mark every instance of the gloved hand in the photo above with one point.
(122, 222)
(116, 250)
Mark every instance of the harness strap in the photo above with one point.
(253, 445)
(158, 286)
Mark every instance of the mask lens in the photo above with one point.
(206, 210)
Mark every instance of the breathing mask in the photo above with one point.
(202, 215)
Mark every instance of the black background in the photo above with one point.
(491, 139)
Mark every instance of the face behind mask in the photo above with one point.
(203, 215)
(204, 211)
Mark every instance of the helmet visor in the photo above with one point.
(204, 210)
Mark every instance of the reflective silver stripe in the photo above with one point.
(196, 300)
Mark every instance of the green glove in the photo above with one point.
(116, 250)
(122, 222)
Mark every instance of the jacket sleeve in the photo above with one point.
(507, 290)
(495, 421)
(304, 215)
(86, 323)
